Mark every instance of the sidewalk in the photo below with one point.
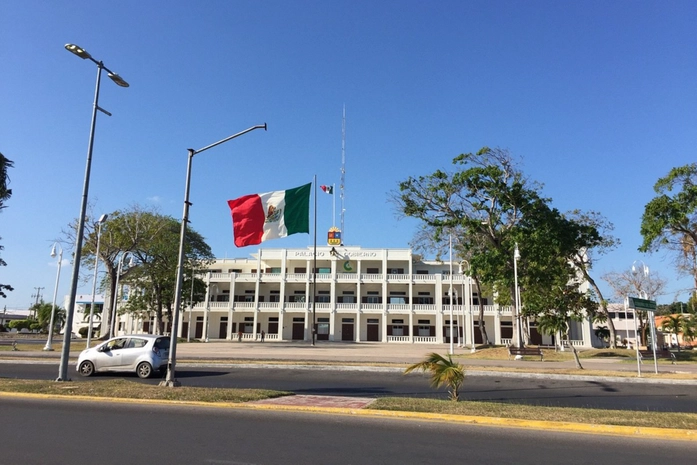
(392, 355)
(397, 354)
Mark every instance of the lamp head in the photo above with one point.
(79, 51)
(53, 251)
(102, 219)
(516, 252)
(117, 79)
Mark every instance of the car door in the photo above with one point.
(134, 348)
(112, 354)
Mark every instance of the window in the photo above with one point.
(347, 320)
(135, 343)
(395, 270)
(424, 322)
(373, 297)
(274, 298)
(397, 299)
(373, 321)
(398, 330)
(275, 269)
(397, 322)
(346, 299)
(234, 270)
(423, 300)
(324, 270)
(421, 271)
(372, 270)
(300, 270)
(322, 298)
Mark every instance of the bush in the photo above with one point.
(21, 324)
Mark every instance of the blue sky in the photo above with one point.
(597, 98)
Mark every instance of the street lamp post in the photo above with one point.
(102, 220)
(114, 303)
(170, 380)
(467, 307)
(65, 353)
(49, 341)
(650, 315)
(191, 304)
(519, 332)
(450, 292)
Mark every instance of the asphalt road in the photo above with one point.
(50, 432)
(549, 392)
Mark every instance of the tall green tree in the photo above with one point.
(5, 194)
(152, 239)
(43, 311)
(489, 206)
(155, 275)
(599, 242)
(669, 221)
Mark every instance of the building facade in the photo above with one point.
(362, 295)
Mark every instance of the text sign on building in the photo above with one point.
(642, 304)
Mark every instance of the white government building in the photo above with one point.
(363, 295)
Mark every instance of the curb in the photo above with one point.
(563, 427)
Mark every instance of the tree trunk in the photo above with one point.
(573, 349)
(604, 311)
(482, 324)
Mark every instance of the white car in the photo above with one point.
(139, 353)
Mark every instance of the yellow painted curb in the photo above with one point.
(568, 427)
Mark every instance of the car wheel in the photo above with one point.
(144, 370)
(87, 368)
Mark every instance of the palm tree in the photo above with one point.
(674, 324)
(558, 324)
(689, 328)
(602, 333)
(444, 372)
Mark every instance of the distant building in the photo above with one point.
(362, 295)
(83, 304)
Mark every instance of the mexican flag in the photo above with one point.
(260, 217)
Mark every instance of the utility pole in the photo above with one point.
(37, 296)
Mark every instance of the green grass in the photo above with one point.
(686, 421)
(125, 389)
(135, 390)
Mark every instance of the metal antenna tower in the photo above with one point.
(343, 172)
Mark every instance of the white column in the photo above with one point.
(208, 307)
(230, 314)
(281, 324)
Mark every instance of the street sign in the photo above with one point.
(642, 304)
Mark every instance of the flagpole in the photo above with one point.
(333, 205)
(314, 264)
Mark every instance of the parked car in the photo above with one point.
(139, 353)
